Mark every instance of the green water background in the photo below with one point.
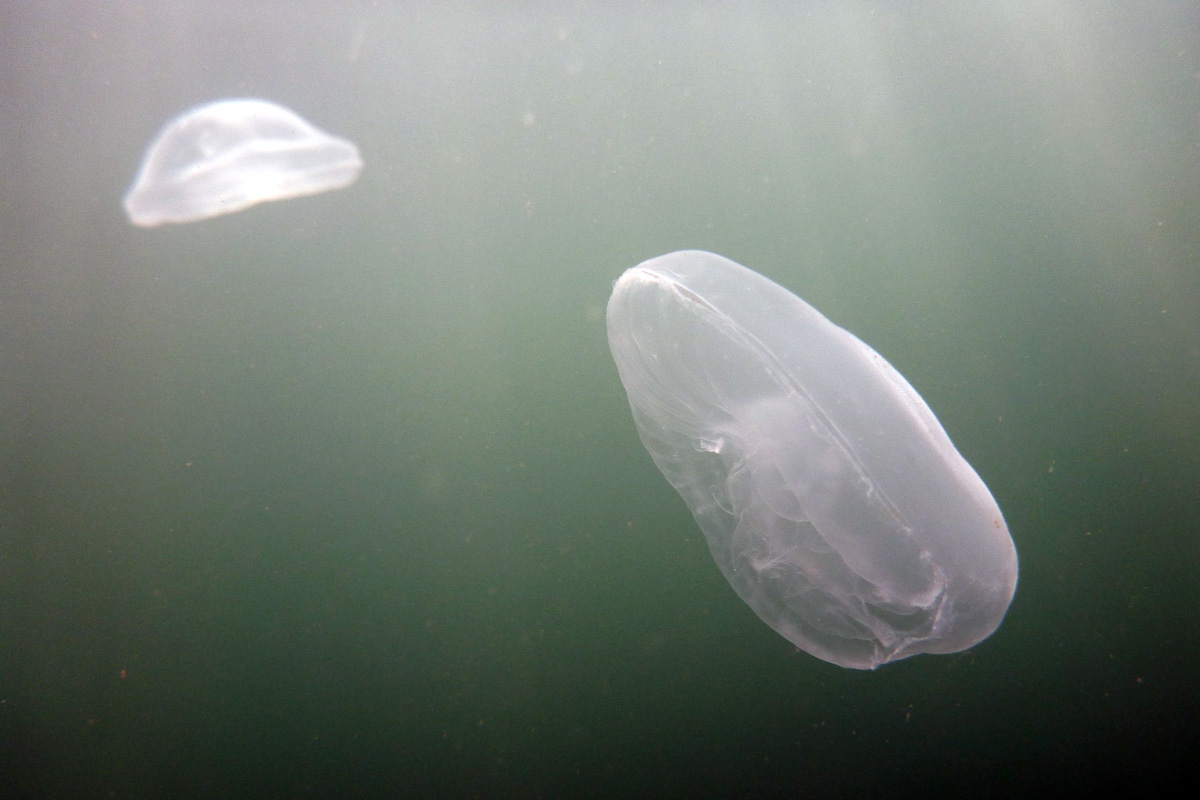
(341, 496)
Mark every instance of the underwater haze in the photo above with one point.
(341, 496)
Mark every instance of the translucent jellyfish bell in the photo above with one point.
(830, 496)
(229, 155)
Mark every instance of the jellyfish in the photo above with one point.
(828, 493)
(232, 154)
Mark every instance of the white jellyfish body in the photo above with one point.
(830, 496)
(232, 154)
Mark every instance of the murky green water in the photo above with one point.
(341, 496)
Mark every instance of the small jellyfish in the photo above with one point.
(229, 155)
(830, 497)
